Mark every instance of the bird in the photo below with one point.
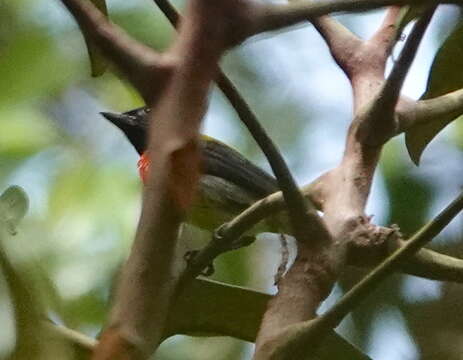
(229, 182)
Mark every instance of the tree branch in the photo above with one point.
(365, 250)
(347, 188)
(269, 17)
(146, 292)
(341, 42)
(425, 111)
(379, 122)
(307, 225)
(169, 11)
(143, 67)
(372, 280)
(303, 221)
(432, 265)
(385, 37)
(300, 339)
(83, 345)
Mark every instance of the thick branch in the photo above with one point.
(275, 16)
(305, 224)
(261, 17)
(368, 63)
(371, 244)
(146, 292)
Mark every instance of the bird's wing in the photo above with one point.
(222, 161)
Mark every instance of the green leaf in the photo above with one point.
(24, 132)
(33, 336)
(23, 79)
(13, 206)
(213, 308)
(98, 62)
(446, 75)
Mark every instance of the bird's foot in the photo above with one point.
(189, 258)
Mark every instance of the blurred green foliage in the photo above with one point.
(98, 63)
(80, 175)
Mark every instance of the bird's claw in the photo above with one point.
(189, 258)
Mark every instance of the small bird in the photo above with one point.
(229, 183)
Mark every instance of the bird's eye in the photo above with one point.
(147, 110)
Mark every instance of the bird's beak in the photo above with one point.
(116, 119)
(128, 125)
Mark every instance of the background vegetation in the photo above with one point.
(80, 174)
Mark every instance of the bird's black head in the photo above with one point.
(134, 124)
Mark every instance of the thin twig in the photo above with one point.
(169, 11)
(391, 89)
(79, 341)
(448, 106)
(303, 222)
